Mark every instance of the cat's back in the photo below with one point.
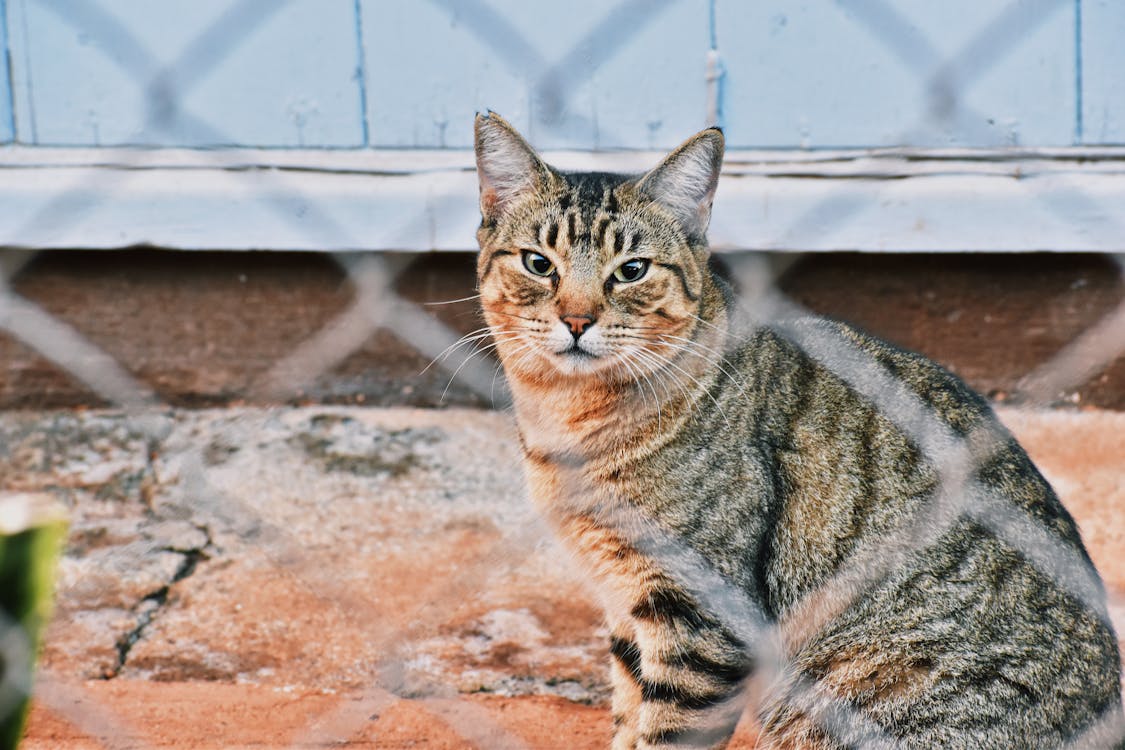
(919, 563)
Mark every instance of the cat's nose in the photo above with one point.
(577, 324)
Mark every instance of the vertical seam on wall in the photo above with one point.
(361, 73)
(1079, 125)
(715, 71)
(29, 83)
(7, 50)
(714, 36)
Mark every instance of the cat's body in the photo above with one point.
(759, 524)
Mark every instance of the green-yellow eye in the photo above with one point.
(537, 264)
(631, 270)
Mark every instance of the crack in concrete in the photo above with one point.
(150, 605)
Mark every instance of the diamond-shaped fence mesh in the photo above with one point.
(318, 568)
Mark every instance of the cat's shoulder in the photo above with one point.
(894, 378)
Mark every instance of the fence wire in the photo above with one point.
(375, 305)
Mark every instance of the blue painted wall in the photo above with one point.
(585, 74)
(573, 74)
(914, 72)
(7, 121)
(205, 72)
(1103, 71)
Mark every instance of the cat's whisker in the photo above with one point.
(475, 352)
(647, 380)
(702, 387)
(636, 352)
(740, 385)
(498, 337)
(656, 397)
(469, 337)
(708, 323)
(693, 342)
(453, 301)
(540, 321)
(649, 340)
(724, 332)
(659, 369)
(682, 344)
(522, 355)
(520, 349)
(639, 378)
(492, 385)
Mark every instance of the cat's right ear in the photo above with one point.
(506, 165)
(685, 181)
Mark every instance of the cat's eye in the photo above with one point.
(631, 270)
(537, 264)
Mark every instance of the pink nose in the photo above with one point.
(577, 323)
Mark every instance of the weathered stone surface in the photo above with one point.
(319, 546)
(119, 559)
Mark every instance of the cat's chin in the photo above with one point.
(577, 362)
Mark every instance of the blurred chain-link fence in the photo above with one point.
(205, 491)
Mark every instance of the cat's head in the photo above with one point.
(586, 274)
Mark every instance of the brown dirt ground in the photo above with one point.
(199, 716)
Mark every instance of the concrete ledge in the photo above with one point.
(418, 200)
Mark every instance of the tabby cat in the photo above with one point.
(765, 525)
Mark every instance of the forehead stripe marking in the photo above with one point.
(599, 233)
(552, 234)
(683, 279)
(491, 258)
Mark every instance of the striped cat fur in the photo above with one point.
(761, 530)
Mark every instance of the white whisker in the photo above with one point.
(453, 301)
(474, 353)
(669, 363)
(469, 337)
(658, 370)
(740, 385)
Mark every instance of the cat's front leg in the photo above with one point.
(625, 676)
(687, 679)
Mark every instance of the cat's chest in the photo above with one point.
(630, 520)
(602, 514)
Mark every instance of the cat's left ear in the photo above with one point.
(685, 181)
(507, 167)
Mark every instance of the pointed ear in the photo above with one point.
(685, 182)
(506, 165)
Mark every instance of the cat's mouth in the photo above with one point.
(576, 352)
(574, 360)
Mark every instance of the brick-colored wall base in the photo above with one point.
(203, 328)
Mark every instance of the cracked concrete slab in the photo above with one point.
(313, 550)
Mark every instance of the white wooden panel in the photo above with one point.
(850, 73)
(1066, 200)
(1103, 71)
(626, 74)
(265, 73)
